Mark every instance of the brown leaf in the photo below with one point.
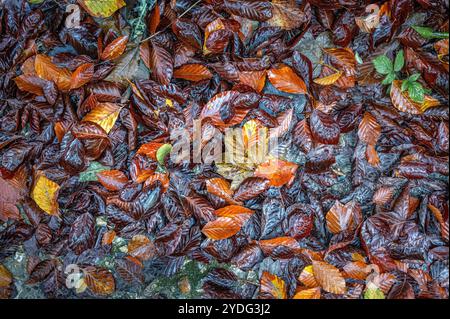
(286, 80)
(31, 84)
(254, 79)
(369, 129)
(82, 75)
(221, 228)
(404, 103)
(5, 277)
(113, 180)
(141, 247)
(220, 187)
(307, 277)
(161, 64)
(99, 280)
(287, 15)
(115, 49)
(10, 196)
(288, 244)
(343, 217)
(329, 277)
(193, 72)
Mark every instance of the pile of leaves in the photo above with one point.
(351, 204)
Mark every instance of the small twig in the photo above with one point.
(181, 15)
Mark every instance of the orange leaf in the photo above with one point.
(254, 79)
(46, 70)
(150, 149)
(141, 247)
(286, 80)
(329, 79)
(329, 277)
(307, 277)
(221, 188)
(162, 178)
(82, 75)
(5, 277)
(112, 180)
(272, 287)
(193, 72)
(31, 84)
(105, 115)
(343, 217)
(404, 103)
(343, 58)
(277, 171)
(369, 130)
(108, 237)
(221, 228)
(155, 19)
(372, 156)
(115, 48)
(238, 213)
(311, 293)
(99, 280)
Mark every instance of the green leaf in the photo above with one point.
(428, 33)
(405, 85)
(358, 58)
(373, 292)
(414, 77)
(388, 79)
(90, 174)
(35, 1)
(399, 61)
(416, 92)
(162, 152)
(383, 65)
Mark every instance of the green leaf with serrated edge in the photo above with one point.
(90, 174)
(428, 33)
(414, 77)
(399, 61)
(383, 64)
(374, 293)
(405, 85)
(416, 92)
(388, 79)
(162, 152)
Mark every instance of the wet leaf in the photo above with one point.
(45, 193)
(103, 9)
(286, 80)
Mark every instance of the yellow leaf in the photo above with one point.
(329, 80)
(44, 194)
(102, 8)
(105, 115)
